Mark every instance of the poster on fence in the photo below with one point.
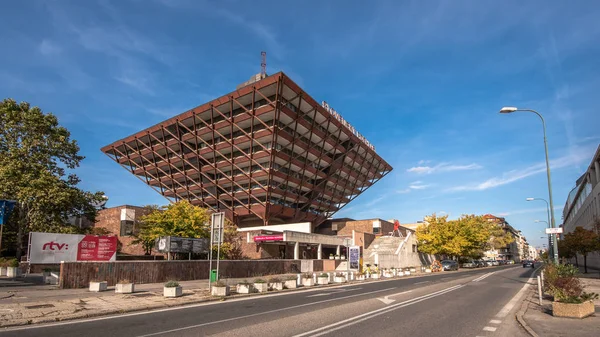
(54, 248)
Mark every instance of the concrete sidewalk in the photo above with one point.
(540, 320)
(29, 304)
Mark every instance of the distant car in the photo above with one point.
(495, 263)
(449, 265)
(528, 263)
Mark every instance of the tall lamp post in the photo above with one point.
(507, 110)
(550, 243)
(547, 223)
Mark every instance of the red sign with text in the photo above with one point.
(262, 238)
(97, 248)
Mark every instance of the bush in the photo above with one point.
(13, 263)
(291, 278)
(124, 281)
(259, 280)
(171, 284)
(274, 280)
(244, 283)
(307, 276)
(324, 275)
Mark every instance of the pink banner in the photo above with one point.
(97, 248)
(262, 238)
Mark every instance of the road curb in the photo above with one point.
(521, 313)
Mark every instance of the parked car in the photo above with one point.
(480, 263)
(528, 263)
(495, 263)
(449, 265)
(470, 264)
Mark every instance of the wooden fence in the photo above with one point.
(79, 274)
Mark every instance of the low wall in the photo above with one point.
(79, 274)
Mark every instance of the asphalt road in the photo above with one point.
(472, 303)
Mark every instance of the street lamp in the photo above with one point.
(509, 109)
(548, 212)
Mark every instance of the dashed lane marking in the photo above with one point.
(495, 321)
(489, 328)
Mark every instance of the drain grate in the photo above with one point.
(40, 306)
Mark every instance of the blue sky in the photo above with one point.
(423, 81)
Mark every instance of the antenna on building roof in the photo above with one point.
(263, 64)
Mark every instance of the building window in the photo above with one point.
(414, 248)
(126, 228)
(376, 230)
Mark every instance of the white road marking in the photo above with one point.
(368, 315)
(261, 313)
(510, 305)
(495, 321)
(483, 277)
(489, 328)
(335, 291)
(386, 300)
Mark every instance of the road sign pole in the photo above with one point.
(212, 224)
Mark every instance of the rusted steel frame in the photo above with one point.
(214, 148)
(319, 194)
(322, 193)
(125, 145)
(173, 180)
(168, 160)
(274, 102)
(304, 176)
(334, 191)
(337, 181)
(248, 112)
(252, 118)
(277, 107)
(304, 153)
(180, 139)
(198, 156)
(138, 150)
(167, 149)
(135, 175)
(225, 176)
(357, 180)
(154, 161)
(286, 181)
(289, 168)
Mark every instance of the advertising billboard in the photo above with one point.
(54, 248)
(174, 244)
(354, 257)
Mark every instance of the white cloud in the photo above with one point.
(415, 186)
(404, 191)
(48, 47)
(442, 167)
(573, 158)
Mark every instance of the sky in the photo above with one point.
(423, 81)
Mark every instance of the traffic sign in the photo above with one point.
(557, 230)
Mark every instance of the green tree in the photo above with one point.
(37, 159)
(565, 250)
(180, 219)
(583, 241)
(466, 236)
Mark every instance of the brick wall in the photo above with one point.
(110, 219)
(365, 226)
